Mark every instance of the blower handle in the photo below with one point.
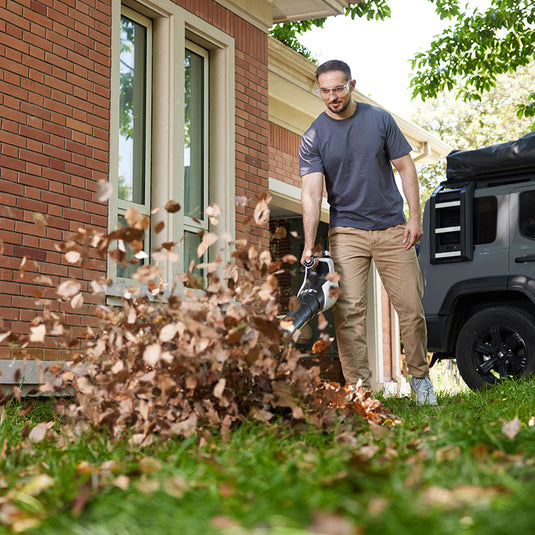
(310, 263)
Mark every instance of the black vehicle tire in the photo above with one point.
(494, 344)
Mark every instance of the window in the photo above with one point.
(526, 214)
(196, 146)
(172, 136)
(485, 219)
(133, 182)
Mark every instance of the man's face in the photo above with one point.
(335, 91)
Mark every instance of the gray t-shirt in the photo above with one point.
(354, 155)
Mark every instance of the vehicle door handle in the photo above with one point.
(527, 258)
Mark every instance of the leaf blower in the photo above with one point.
(315, 294)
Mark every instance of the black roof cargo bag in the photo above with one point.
(505, 160)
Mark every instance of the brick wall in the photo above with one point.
(55, 60)
(284, 155)
(54, 131)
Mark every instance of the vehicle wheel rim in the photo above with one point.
(499, 352)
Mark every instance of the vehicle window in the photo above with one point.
(526, 214)
(485, 219)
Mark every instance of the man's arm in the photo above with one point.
(311, 196)
(409, 181)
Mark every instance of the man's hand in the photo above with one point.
(306, 256)
(413, 233)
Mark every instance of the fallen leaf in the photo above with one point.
(511, 429)
(122, 481)
(37, 484)
(38, 433)
(447, 453)
(326, 523)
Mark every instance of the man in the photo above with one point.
(352, 147)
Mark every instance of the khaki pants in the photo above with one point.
(352, 250)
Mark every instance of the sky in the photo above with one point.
(379, 52)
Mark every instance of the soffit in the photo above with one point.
(264, 13)
(291, 10)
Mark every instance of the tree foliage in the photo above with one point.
(473, 124)
(476, 49)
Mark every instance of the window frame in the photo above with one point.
(521, 224)
(172, 27)
(122, 205)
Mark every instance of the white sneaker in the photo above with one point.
(423, 388)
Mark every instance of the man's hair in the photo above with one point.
(334, 65)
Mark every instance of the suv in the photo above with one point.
(478, 263)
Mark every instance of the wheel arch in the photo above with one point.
(465, 298)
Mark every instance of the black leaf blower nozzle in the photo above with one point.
(314, 296)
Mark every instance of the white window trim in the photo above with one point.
(172, 26)
(121, 205)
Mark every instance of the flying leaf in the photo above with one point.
(261, 212)
(73, 257)
(132, 216)
(213, 212)
(5, 335)
(280, 233)
(332, 277)
(39, 220)
(219, 388)
(289, 259)
(322, 321)
(168, 332)
(43, 279)
(240, 200)
(152, 354)
(77, 301)
(209, 238)
(147, 273)
(38, 333)
(172, 207)
(104, 190)
(68, 288)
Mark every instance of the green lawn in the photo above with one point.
(464, 467)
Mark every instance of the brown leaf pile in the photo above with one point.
(191, 360)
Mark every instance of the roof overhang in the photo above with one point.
(265, 13)
(291, 10)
